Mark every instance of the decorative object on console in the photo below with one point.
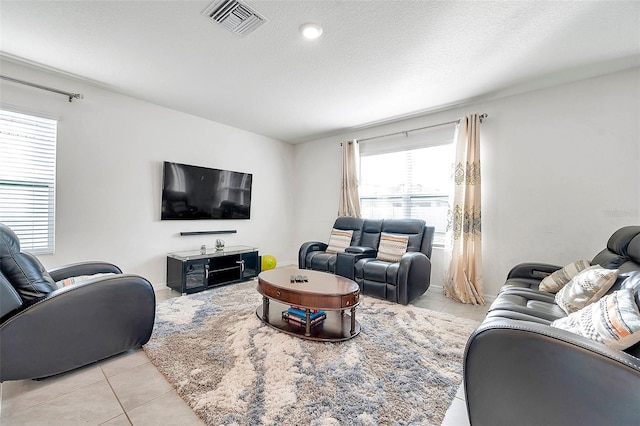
(219, 244)
(203, 249)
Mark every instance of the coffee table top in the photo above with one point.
(321, 291)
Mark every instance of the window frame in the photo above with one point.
(28, 145)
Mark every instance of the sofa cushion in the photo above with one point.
(528, 302)
(585, 288)
(614, 320)
(554, 282)
(339, 240)
(392, 247)
(322, 261)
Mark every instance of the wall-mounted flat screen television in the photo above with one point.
(193, 192)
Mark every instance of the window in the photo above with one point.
(27, 179)
(404, 180)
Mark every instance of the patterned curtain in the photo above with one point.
(463, 277)
(349, 195)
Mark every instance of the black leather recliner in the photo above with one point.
(520, 370)
(46, 330)
(400, 282)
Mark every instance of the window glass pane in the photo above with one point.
(413, 183)
(27, 179)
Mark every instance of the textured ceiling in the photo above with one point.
(376, 61)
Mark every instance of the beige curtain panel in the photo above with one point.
(349, 194)
(463, 277)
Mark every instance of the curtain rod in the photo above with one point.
(70, 95)
(405, 132)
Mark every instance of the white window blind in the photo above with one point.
(408, 178)
(27, 179)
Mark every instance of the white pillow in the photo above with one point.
(339, 240)
(614, 320)
(554, 282)
(585, 288)
(392, 247)
(75, 280)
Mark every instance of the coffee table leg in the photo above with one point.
(307, 331)
(265, 308)
(353, 320)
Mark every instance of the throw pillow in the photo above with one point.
(339, 240)
(614, 320)
(585, 288)
(554, 282)
(392, 247)
(75, 280)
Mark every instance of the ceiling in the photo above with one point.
(376, 60)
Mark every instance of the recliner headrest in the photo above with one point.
(619, 241)
(9, 241)
(633, 249)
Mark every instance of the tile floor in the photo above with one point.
(128, 390)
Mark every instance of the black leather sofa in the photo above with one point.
(400, 282)
(46, 330)
(518, 370)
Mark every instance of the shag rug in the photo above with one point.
(404, 367)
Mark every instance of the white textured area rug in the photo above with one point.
(404, 367)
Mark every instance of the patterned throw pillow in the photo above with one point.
(339, 240)
(614, 320)
(585, 288)
(75, 280)
(554, 282)
(392, 247)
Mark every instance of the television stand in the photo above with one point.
(192, 271)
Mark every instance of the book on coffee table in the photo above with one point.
(300, 317)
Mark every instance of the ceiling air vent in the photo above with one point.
(235, 16)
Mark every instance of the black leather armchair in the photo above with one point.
(46, 330)
(520, 370)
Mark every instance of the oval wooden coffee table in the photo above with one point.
(333, 294)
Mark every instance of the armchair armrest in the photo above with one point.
(10, 300)
(82, 268)
(532, 270)
(307, 248)
(526, 373)
(414, 276)
(77, 325)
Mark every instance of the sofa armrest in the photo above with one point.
(362, 250)
(414, 276)
(307, 248)
(524, 373)
(532, 270)
(77, 325)
(82, 268)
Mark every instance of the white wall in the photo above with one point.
(109, 169)
(559, 167)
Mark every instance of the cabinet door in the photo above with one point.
(195, 275)
(251, 265)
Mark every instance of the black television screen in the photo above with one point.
(192, 192)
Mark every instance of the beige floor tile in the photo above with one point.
(93, 404)
(21, 394)
(460, 393)
(123, 362)
(167, 410)
(456, 414)
(139, 385)
(121, 420)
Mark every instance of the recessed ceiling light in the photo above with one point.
(310, 30)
